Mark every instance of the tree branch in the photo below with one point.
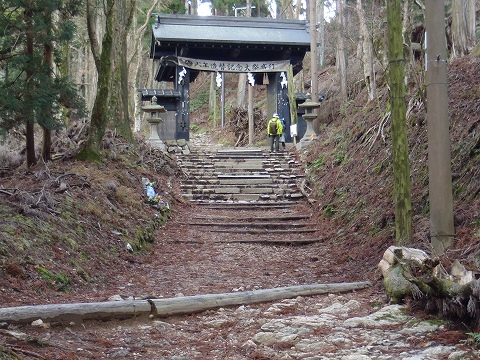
(92, 32)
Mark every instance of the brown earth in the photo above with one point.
(67, 243)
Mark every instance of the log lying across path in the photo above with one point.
(164, 307)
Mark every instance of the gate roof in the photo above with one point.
(228, 38)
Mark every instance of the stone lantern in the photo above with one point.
(309, 117)
(153, 111)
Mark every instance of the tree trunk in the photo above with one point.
(463, 27)
(137, 60)
(76, 312)
(298, 7)
(125, 10)
(103, 62)
(401, 165)
(29, 120)
(341, 51)
(241, 90)
(320, 33)
(48, 60)
(166, 307)
(110, 102)
(284, 9)
(366, 53)
(190, 304)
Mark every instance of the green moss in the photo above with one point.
(71, 243)
(59, 281)
(396, 285)
(147, 235)
(318, 163)
(200, 100)
(62, 281)
(90, 156)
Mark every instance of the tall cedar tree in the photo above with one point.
(111, 102)
(30, 90)
(401, 166)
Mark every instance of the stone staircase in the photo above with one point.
(241, 176)
(244, 195)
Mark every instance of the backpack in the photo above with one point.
(272, 127)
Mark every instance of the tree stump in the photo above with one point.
(410, 275)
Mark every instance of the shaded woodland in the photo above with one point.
(69, 76)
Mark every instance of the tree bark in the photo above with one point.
(401, 165)
(124, 15)
(320, 33)
(138, 60)
(48, 60)
(76, 312)
(341, 51)
(103, 62)
(111, 101)
(241, 90)
(366, 53)
(190, 304)
(165, 307)
(29, 121)
(463, 27)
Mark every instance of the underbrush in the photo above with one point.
(65, 222)
(349, 171)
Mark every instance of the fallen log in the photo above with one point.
(164, 307)
(191, 304)
(76, 312)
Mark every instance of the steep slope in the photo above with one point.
(350, 171)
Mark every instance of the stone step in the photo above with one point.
(238, 164)
(250, 206)
(252, 225)
(251, 157)
(241, 197)
(240, 181)
(265, 231)
(239, 191)
(246, 172)
(281, 218)
(240, 175)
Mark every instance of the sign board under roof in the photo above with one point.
(227, 38)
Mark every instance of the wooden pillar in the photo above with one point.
(439, 158)
(182, 83)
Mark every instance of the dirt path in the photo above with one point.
(195, 254)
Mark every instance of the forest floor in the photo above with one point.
(188, 260)
(67, 243)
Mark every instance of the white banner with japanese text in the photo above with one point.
(234, 66)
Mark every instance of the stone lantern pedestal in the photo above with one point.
(153, 111)
(309, 117)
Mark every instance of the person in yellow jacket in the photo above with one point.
(274, 130)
